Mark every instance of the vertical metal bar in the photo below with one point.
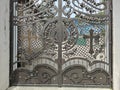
(15, 38)
(11, 42)
(59, 43)
(111, 43)
(107, 36)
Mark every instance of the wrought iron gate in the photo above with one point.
(61, 42)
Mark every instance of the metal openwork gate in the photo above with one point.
(61, 42)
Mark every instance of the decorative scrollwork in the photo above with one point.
(80, 76)
(88, 10)
(35, 11)
(69, 34)
(45, 74)
(39, 75)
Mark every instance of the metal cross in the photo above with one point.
(29, 38)
(96, 37)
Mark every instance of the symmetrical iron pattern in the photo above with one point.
(62, 42)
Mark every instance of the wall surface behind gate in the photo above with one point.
(4, 50)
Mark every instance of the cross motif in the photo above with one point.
(96, 37)
(29, 37)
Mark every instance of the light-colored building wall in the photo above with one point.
(4, 51)
(116, 44)
(4, 44)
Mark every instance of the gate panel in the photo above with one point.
(61, 42)
(37, 51)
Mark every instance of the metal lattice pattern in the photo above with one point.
(61, 42)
